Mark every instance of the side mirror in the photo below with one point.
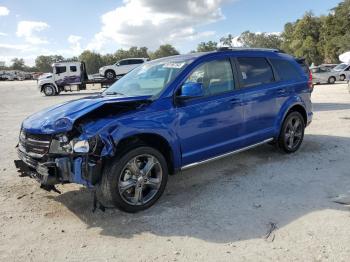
(191, 90)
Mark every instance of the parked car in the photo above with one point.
(342, 70)
(168, 115)
(121, 68)
(8, 77)
(321, 75)
(328, 66)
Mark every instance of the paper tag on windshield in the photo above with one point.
(174, 65)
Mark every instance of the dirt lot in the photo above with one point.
(221, 211)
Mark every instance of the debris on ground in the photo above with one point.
(343, 199)
(270, 235)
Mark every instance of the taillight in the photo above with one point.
(311, 86)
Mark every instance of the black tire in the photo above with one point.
(292, 134)
(110, 191)
(110, 74)
(342, 77)
(331, 80)
(49, 90)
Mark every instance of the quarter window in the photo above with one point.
(255, 71)
(285, 70)
(73, 68)
(216, 77)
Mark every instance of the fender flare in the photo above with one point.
(112, 136)
(285, 108)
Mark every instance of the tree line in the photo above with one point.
(318, 39)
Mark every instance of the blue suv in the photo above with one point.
(168, 115)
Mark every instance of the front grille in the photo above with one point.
(34, 145)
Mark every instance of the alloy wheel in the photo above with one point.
(140, 180)
(293, 133)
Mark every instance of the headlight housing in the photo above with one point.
(81, 146)
(61, 144)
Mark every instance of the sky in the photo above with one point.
(67, 27)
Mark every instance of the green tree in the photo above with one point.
(335, 33)
(207, 46)
(93, 61)
(18, 64)
(302, 37)
(163, 51)
(227, 41)
(262, 40)
(44, 63)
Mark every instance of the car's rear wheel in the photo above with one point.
(292, 132)
(342, 77)
(49, 90)
(110, 74)
(134, 181)
(331, 80)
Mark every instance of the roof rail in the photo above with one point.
(220, 49)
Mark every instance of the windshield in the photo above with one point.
(148, 79)
(340, 67)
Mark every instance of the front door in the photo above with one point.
(60, 74)
(211, 125)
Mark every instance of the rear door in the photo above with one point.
(74, 75)
(259, 102)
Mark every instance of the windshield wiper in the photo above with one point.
(113, 93)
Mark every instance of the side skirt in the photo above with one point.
(226, 154)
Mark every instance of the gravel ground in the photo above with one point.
(220, 211)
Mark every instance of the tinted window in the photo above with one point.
(124, 62)
(73, 68)
(255, 71)
(135, 61)
(285, 70)
(60, 69)
(215, 76)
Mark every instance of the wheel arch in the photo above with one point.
(296, 104)
(46, 84)
(152, 140)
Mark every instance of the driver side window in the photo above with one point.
(216, 77)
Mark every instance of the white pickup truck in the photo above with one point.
(121, 68)
(67, 74)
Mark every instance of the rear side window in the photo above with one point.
(286, 71)
(73, 68)
(60, 69)
(255, 71)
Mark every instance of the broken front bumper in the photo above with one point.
(59, 170)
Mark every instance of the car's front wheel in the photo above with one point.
(135, 180)
(292, 132)
(342, 77)
(49, 90)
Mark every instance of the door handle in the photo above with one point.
(281, 91)
(235, 101)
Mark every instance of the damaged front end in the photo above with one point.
(59, 159)
(68, 143)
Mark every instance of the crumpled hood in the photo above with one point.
(61, 117)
